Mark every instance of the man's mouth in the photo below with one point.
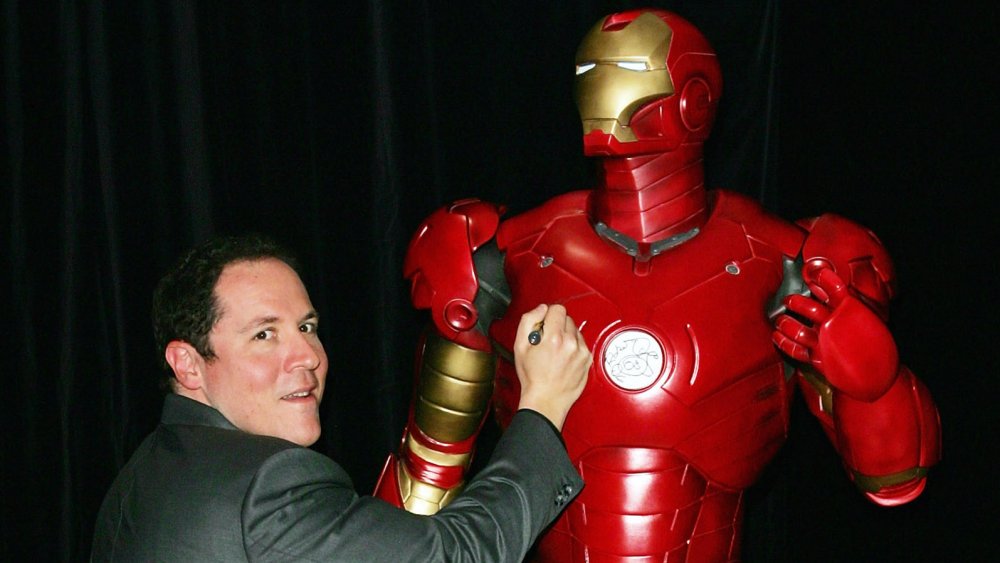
(298, 395)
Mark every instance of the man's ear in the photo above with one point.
(186, 363)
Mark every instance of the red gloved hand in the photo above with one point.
(839, 336)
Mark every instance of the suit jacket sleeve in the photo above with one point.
(302, 506)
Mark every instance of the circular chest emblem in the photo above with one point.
(633, 359)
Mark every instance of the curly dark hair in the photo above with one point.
(185, 306)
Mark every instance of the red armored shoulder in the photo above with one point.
(762, 227)
(440, 268)
(854, 253)
(536, 220)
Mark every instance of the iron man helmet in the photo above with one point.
(646, 81)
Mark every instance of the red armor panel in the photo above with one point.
(439, 267)
(855, 254)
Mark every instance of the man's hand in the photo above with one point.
(553, 372)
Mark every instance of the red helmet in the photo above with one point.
(647, 81)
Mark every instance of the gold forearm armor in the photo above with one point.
(453, 393)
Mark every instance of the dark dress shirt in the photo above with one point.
(199, 489)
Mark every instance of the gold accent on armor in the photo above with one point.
(436, 457)
(875, 483)
(819, 383)
(608, 94)
(454, 390)
(421, 498)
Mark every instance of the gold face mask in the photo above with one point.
(617, 72)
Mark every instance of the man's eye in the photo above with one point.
(309, 328)
(632, 66)
(264, 335)
(580, 69)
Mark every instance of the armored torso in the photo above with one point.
(687, 399)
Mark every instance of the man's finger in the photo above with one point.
(529, 320)
(555, 318)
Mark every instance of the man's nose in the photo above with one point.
(306, 352)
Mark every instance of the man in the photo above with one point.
(227, 475)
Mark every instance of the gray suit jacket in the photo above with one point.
(198, 489)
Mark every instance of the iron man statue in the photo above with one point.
(702, 310)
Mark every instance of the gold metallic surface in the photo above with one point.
(421, 498)
(454, 390)
(823, 388)
(434, 456)
(873, 484)
(607, 95)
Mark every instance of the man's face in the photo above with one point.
(270, 368)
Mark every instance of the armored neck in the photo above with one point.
(652, 197)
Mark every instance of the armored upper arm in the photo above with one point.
(443, 273)
(855, 254)
(456, 272)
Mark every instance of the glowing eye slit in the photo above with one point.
(633, 66)
(627, 65)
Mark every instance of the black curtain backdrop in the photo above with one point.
(132, 130)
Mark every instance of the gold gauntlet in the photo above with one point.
(454, 390)
(423, 498)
